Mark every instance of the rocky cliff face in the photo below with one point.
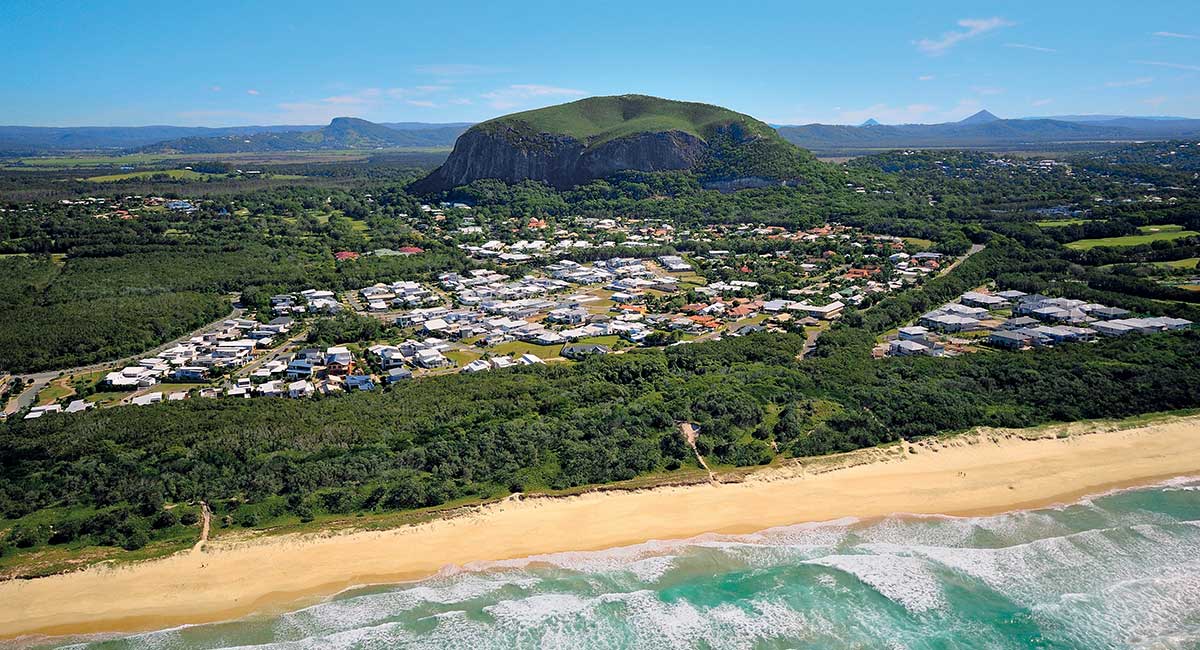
(561, 161)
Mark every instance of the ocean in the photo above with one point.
(1120, 570)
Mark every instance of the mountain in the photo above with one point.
(45, 139)
(40, 139)
(983, 130)
(870, 122)
(574, 143)
(1104, 118)
(341, 133)
(982, 117)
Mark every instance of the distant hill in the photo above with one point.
(40, 139)
(341, 133)
(34, 140)
(982, 117)
(982, 130)
(573, 143)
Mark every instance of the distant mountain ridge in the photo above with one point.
(984, 129)
(42, 139)
(593, 138)
(341, 133)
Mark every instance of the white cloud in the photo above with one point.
(1035, 48)
(988, 90)
(1125, 83)
(1166, 64)
(974, 27)
(460, 101)
(215, 89)
(1042, 102)
(1175, 35)
(520, 94)
(926, 77)
(367, 103)
(1155, 101)
(252, 92)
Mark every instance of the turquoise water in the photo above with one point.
(1120, 570)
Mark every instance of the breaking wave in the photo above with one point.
(1120, 570)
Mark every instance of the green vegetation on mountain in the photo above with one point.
(571, 144)
(597, 120)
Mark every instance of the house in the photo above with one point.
(529, 359)
(282, 324)
(674, 263)
(272, 389)
(580, 351)
(1009, 339)
(1020, 322)
(1065, 333)
(824, 312)
(397, 374)
(311, 354)
(1108, 313)
(913, 333)
(570, 316)
(1112, 328)
(905, 348)
(39, 411)
(298, 389)
(360, 382)
(1011, 295)
(944, 322)
(79, 405)
(429, 358)
(983, 300)
(478, 365)
(746, 330)
(191, 373)
(148, 398)
(338, 360)
(300, 368)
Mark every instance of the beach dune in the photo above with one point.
(979, 473)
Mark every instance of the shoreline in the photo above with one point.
(980, 473)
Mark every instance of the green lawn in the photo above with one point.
(611, 340)
(1149, 234)
(462, 357)
(517, 348)
(918, 244)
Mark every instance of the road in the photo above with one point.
(975, 248)
(42, 379)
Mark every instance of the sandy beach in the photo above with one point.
(979, 473)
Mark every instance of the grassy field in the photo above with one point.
(1148, 234)
(1186, 263)
(178, 174)
(917, 243)
(1058, 223)
(56, 390)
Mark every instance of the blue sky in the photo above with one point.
(301, 62)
